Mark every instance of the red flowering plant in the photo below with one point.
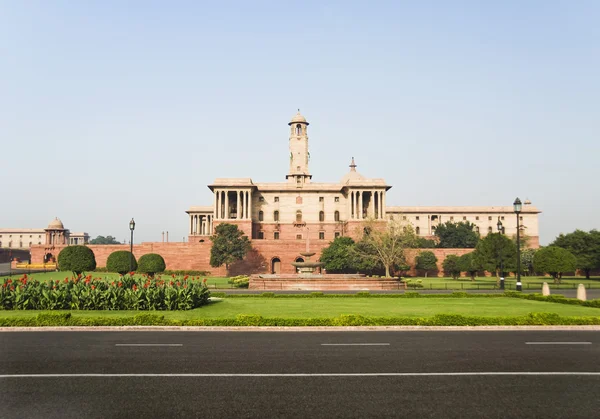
(128, 293)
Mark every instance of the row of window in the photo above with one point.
(261, 216)
(321, 199)
(21, 236)
(261, 235)
(435, 217)
(20, 244)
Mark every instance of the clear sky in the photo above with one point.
(111, 110)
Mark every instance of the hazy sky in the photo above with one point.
(111, 110)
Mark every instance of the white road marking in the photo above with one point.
(558, 343)
(292, 375)
(355, 344)
(148, 344)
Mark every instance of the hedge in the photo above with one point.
(361, 294)
(149, 319)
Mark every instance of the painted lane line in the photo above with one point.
(558, 343)
(148, 344)
(293, 375)
(355, 344)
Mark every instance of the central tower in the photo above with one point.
(299, 155)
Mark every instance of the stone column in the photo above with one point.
(372, 205)
(191, 224)
(360, 205)
(348, 206)
(227, 204)
(238, 195)
(382, 204)
(217, 203)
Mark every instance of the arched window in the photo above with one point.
(298, 129)
(261, 215)
(418, 230)
(321, 216)
(336, 216)
(276, 215)
(298, 216)
(489, 229)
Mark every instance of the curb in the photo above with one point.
(295, 328)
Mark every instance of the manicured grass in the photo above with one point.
(332, 307)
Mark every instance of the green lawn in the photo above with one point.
(332, 307)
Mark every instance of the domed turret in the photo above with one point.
(56, 224)
(352, 175)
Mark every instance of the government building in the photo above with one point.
(281, 217)
(284, 212)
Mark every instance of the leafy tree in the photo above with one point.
(119, 262)
(495, 252)
(104, 240)
(339, 256)
(554, 260)
(527, 260)
(77, 259)
(151, 263)
(366, 260)
(424, 243)
(468, 263)
(585, 246)
(426, 261)
(457, 235)
(385, 243)
(229, 245)
(451, 265)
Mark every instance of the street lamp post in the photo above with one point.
(517, 208)
(131, 227)
(500, 230)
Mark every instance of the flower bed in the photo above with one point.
(129, 292)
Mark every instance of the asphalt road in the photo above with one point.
(412, 374)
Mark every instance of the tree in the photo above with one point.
(151, 263)
(585, 246)
(527, 260)
(339, 256)
(451, 265)
(554, 260)
(468, 263)
(104, 240)
(423, 243)
(119, 262)
(229, 245)
(77, 259)
(426, 261)
(496, 253)
(385, 243)
(457, 235)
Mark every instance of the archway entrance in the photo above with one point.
(276, 266)
(48, 257)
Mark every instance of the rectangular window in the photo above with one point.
(298, 236)
(261, 235)
(337, 234)
(404, 217)
(476, 218)
(502, 218)
(321, 199)
(417, 217)
(276, 199)
(336, 199)
(464, 218)
(276, 235)
(520, 218)
(490, 218)
(451, 218)
(321, 235)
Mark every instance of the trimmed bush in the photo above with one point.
(76, 259)
(119, 262)
(240, 281)
(151, 264)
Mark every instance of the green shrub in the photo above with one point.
(76, 259)
(186, 272)
(240, 281)
(151, 264)
(120, 260)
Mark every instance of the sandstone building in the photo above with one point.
(279, 214)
